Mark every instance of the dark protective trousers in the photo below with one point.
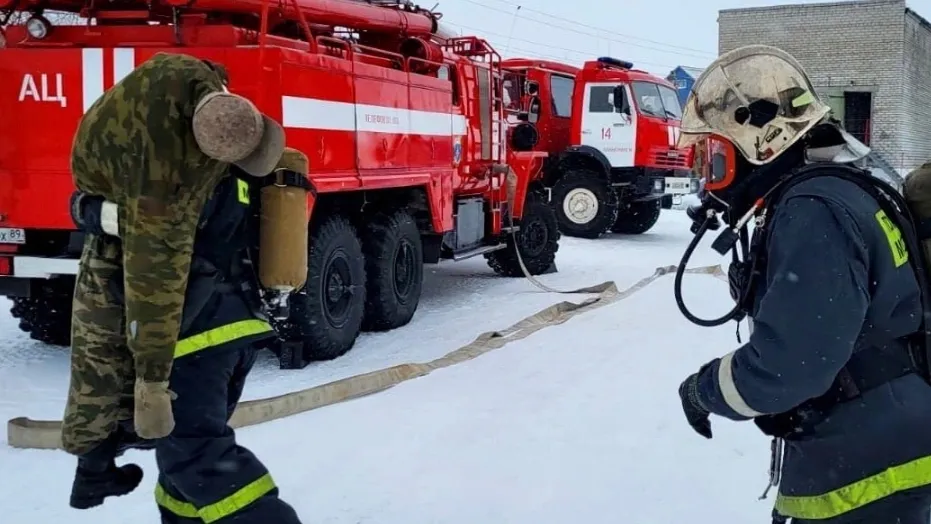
(204, 475)
(909, 507)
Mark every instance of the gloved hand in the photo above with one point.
(153, 416)
(85, 212)
(697, 416)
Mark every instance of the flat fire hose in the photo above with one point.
(26, 433)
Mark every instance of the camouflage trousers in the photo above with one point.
(102, 368)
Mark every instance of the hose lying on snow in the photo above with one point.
(23, 432)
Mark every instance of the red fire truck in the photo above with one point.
(610, 131)
(403, 125)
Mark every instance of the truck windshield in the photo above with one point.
(657, 100)
(670, 102)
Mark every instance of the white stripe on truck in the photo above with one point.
(91, 76)
(38, 267)
(124, 61)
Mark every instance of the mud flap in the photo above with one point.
(291, 355)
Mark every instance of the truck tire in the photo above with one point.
(638, 217)
(326, 314)
(46, 315)
(393, 270)
(586, 204)
(537, 241)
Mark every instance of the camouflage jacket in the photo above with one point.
(135, 147)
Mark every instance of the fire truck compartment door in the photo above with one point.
(43, 94)
(604, 128)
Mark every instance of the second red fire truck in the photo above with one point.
(610, 131)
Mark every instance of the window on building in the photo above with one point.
(561, 92)
(858, 114)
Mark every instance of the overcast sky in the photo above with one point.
(656, 35)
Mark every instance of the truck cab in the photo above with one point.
(610, 131)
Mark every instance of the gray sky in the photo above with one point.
(656, 35)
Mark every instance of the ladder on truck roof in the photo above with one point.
(491, 99)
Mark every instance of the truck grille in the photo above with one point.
(662, 159)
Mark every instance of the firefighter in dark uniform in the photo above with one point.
(829, 370)
(204, 475)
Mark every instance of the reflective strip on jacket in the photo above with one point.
(217, 311)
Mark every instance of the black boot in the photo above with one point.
(90, 488)
(97, 476)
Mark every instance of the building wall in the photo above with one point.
(852, 46)
(917, 72)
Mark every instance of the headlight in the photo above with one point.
(38, 27)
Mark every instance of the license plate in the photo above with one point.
(12, 235)
(678, 186)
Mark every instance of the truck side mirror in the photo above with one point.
(533, 114)
(532, 88)
(619, 100)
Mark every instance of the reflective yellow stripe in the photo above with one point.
(218, 510)
(242, 191)
(221, 335)
(179, 508)
(894, 237)
(235, 502)
(910, 475)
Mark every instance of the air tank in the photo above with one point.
(283, 223)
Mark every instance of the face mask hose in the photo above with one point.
(710, 222)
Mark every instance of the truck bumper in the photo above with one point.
(644, 185)
(665, 187)
(43, 267)
(27, 270)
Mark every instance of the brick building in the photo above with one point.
(869, 59)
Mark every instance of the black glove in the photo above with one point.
(85, 211)
(697, 416)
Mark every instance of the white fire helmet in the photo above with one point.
(756, 97)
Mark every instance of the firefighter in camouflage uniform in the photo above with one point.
(147, 158)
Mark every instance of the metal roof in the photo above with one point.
(693, 72)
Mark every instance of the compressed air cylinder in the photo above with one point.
(917, 193)
(283, 225)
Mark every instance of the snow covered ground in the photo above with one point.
(578, 423)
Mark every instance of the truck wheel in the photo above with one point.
(327, 312)
(46, 315)
(586, 204)
(638, 217)
(393, 270)
(537, 241)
